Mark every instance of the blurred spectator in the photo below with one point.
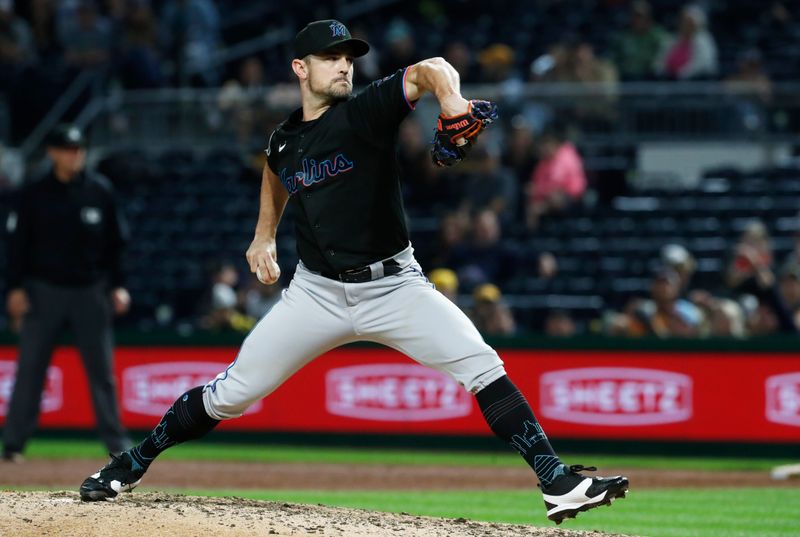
(679, 259)
(42, 16)
(490, 314)
(789, 287)
(191, 33)
(400, 47)
(793, 257)
(446, 282)
(488, 185)
(486, 258)
(777, 23)
(750, 79)
(636, 49)
(496, 63)
(664, 314)
(722, 317)
(428, 190)
(414, 160)
(692, 52)
(751, 90)
(520, 152)
(222, 310)
(12, 168)
(558, 179)
(727, 319)
(139, 63)
(750, 273)
(761, 320)
(559, 324)
(752, 259)
(459, 55)
(542, 68)
(259, 298)
(243, 100)
(452, 236)
(86, 37)
(17, 48)
(547, 266)
(579, 65)
(367, 67)
(118, 9)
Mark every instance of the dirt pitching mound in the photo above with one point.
(62, 514)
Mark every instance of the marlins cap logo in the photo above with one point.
(338, 29)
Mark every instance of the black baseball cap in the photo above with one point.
(66, 135)
(325, 34)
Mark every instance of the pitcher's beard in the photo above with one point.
(337, 93)
(334, 93)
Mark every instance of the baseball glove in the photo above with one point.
(455, 135)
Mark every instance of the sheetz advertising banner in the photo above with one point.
(576, 394)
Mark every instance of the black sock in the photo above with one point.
(511, 418)
(185, 420)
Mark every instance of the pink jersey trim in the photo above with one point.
(405, 96)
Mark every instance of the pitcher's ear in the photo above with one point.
(300, 68)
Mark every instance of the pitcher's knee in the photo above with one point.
(475, 371)
(222, 403)
(485, 377)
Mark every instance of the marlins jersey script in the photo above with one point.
(342, 176)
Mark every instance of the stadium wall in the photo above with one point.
(581, 389)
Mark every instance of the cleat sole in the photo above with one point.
(95, 496)
(612, 495)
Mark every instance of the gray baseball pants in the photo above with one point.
(316, 314)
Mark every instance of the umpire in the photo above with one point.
(66, 240)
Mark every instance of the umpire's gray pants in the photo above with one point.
(87, 310)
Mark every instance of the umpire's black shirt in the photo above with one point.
(342, 176)
(68, 234)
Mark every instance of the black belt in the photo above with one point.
(363, 274)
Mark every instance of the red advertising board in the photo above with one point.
(576, 394)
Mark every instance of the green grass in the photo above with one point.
(761, 512)
(200, 451)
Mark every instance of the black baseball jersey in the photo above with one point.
(68, 234)
(342, 176)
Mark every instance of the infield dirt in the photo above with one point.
(62, 514)
(149, 514)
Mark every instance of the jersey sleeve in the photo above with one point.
(271, 152)
(380, 107)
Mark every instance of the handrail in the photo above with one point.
(527, 90)
(56, 113)
(270, 39)
(665, 109)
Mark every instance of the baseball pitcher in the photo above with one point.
(334, 161)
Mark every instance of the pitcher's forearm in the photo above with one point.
(437, 76)
(273, 202)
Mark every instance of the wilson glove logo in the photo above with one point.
(616, 396)
(151, 389)
(783, 399)
(52, 397)
(394, 392)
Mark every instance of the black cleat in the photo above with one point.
(571, 493)
(115, 477)
(14, 457)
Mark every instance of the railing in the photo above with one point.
(596, 113)
(79, 85)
